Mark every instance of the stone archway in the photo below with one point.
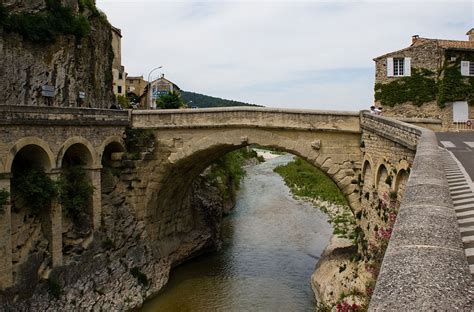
(32, 210)
(182, 155)
(78, 160)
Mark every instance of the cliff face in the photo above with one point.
(69, 65)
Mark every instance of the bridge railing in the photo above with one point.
(424, 267)
(69, 116)
(255, 117)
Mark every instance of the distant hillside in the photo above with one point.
(202, 101)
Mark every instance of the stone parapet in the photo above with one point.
(62, 116)
(394, 130)
(255, 117)
(424, 267)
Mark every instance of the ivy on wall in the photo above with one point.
(453, 86)
(418, 88)
(423, 86)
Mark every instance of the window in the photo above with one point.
(119, 89)
(120, 76)
(471, 68)
(398, 67)
(467, 68)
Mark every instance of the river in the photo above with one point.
(271, 243)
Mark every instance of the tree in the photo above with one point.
(170, 101)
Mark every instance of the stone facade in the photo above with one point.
(118, 71)
(430, 54)
(66, 65)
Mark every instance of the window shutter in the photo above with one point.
(389, 67)
(407, 66)
(465, 68)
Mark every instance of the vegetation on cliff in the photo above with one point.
(47, 25)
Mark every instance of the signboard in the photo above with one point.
(48, 91)
(82, 95)
(460, 112)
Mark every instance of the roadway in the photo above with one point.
(461, 144)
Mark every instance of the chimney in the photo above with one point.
(470, 33)
(162, 75)
(414, 38)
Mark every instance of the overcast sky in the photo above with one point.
(294, 54)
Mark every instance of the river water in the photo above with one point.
(271, 243)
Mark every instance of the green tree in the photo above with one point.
(170, 101)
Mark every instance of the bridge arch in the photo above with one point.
(46, 156)
(190, 154)
(80, 149)
(110, 146)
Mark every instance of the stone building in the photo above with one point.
(118, 71)
(160, 87)
(432, 78)
(136, 89)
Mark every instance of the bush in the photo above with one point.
(75, 192)
(137, 140)
(34, 187)
(54, 288)
(4, 195)
(45, 26)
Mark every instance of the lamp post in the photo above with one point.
(150, 100)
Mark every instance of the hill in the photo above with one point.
(203, 101)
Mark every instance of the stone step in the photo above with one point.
(470, 255)
(454, 175)
(466, 222)
(460, 188)
(466, 231)
(464, 208)
(468, 241)
(459, 197)
(458, 202)
(457, 180)
(465, 213)
(471, 267)
(460, 192)
(457, 184)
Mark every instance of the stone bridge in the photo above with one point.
(371, 159)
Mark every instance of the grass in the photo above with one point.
(307, 181)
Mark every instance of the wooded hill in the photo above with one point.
(202, 101)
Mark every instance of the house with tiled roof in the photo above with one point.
(432, 78)
(160, 87)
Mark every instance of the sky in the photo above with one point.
(287, 54)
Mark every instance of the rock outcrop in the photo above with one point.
(68, 65)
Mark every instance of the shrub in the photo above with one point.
(4, 195)
(34, 187)
(75, 192)
(46, 25)
(54, 288)
(137, 140)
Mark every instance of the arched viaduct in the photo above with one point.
(368, 157)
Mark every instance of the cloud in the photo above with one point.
(270, 52)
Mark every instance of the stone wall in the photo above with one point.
(424, 267)
(68, 66)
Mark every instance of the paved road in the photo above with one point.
(461, 144)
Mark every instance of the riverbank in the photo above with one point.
(340, 278)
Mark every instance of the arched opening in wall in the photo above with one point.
(367, 182)
(401, 183)
(110, 173)
(384, 182)
(76, 200)
(32, 192)
(200, 188)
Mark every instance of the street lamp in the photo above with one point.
(150, 100)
